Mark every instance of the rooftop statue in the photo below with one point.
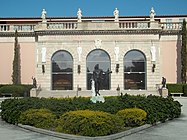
(43, 16)
(79, 15)
(152, 14)
(116, 15)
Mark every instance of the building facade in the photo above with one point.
(61, 52)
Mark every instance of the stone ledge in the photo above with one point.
(74, 137)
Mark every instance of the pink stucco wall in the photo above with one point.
(27, 52)
(27, 62)
(170, 60)
(6, 59)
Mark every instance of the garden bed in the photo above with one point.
(156, 108)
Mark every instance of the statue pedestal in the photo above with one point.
(164, 92)
(154, 25)
(95, 99)
(33, 92)
(41, 26)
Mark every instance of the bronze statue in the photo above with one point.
(163, 82)
(97, 77)
(34, 82)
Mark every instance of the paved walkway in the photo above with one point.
(12, 132)
(171, 130)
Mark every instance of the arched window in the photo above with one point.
(101, 58)
(62, 71)
(134, 70)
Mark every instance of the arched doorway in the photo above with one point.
(134, 70)
(101, 58)
(62, 71)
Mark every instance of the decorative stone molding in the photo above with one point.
(153, 54)
(79, 51)
(98, 43)
(43, 51)
(116, 51)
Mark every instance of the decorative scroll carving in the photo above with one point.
(98, 43)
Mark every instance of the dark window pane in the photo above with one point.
(102, 58)
(134, 80)
(134, 70)
(61, 55)
(134, 56)
(62, 71)
(98, 56)
(134, 67)
(65, 66)
(102, 65)
(104, 83)
(62, 82)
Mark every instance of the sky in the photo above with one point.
(64, 8)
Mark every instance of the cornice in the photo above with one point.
(20, 34)
(91, 32)
(107, 32)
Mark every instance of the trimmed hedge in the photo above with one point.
(177, 88)
(89, 123)
(41, 118)
(132, 117)
(157, 108)
(185, 90)
(15, 90)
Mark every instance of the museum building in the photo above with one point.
(62, 52)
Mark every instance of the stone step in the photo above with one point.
(87, 93)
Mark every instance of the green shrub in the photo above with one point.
(132, 116)
(41, 118)
(175, 88)
(185, 90)
(157, 108)
(89, 123)
(15, 90)
(12, 108)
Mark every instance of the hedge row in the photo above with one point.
(15, 90)
(41, 118)
(84, 122)
(177, 88)
(132, 117)
(89, 123)
(157, 108)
